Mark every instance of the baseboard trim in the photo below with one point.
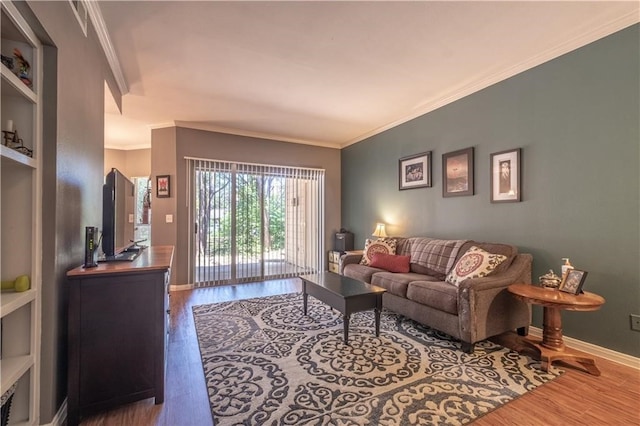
(61, 416)
(620, 358)
(180, 287)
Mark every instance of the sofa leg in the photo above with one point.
(522, 331)
(468, 347)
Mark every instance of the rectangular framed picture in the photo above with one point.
(573, 281)
(415, 171)
(163, 186)
(505, 176)
(457, 173)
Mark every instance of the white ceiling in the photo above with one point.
(327, 73)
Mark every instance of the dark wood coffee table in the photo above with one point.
(344, 294)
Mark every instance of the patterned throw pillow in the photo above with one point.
(381, 245)
(475, 263)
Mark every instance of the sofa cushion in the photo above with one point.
(390, 262)
(381, 245)
(475, 263)
(436, 294)
(360, 272)
(396, 283)
(435, 257)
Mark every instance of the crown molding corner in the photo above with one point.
(95, 14)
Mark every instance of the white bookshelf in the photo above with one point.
(21, 220)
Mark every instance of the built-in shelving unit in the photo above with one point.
(21, 217)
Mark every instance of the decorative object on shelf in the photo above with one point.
(380, 231)
(457, 173)
(22, 283)
(163, 186)
(505, 176)
(573, 281)
(8, 62)
(415, 171)
(23, 67)
(5, 402)
(550, 280)
(13, 141)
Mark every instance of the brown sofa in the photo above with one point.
(476, 309)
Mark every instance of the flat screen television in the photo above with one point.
(118, 204)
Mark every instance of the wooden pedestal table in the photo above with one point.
(552, 347)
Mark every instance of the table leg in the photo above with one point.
(552, 329)
(376, 312)
(305, 296)
(552, 347)
(346, 319)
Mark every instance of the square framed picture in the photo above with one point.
(505, 176)
(163, 186)
(415, 171)
(457, 173)
(573, 281)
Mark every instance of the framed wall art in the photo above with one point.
(415, 171)
(457, 173)
(505, 176)
(163, 186)
(573, 281)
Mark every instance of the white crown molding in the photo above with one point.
(259, 135)
(105, 41)
(594, 34)
(618, 357)
(128, 147)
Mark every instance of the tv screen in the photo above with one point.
(117, 213)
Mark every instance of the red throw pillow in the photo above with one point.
(390, 262)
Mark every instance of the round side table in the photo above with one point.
(552, 347)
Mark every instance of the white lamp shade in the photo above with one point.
(379, 231)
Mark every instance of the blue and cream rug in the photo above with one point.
(265, 363)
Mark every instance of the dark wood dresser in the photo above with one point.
(118, 320)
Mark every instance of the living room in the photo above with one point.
(575, 119)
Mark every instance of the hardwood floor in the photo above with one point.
(575, 398)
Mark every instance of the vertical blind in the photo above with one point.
(253, 222)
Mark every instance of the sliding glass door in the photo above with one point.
(254, 222)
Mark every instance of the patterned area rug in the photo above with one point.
(266, 363)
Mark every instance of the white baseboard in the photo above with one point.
(61, 416)
(180, 287)
(620, 358)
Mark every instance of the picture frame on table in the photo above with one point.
(457, 173)
(505, 176)
(573, 281)
(415, 171)
(163, 186)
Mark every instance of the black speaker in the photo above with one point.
(343, 241)
(90, 246)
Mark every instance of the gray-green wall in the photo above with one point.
(576, 119)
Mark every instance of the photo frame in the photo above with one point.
(163, 186)
(414, 171)
(573, 281)
(505, 176)
(457, 173)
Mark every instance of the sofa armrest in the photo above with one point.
(349, 258)
(486, 308)
(518, 272)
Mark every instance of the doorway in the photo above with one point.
(142, 229)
